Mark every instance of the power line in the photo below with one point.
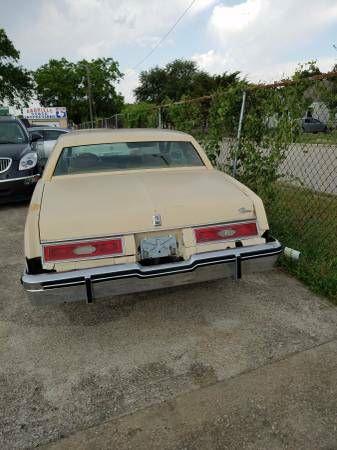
(165, 36)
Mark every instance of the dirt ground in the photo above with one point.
(220, 365)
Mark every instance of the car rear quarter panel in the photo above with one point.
(31, 235)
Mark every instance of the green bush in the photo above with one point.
(139, 115)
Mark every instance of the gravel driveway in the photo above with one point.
(219, 365)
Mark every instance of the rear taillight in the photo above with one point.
(83, 250)
(231, 232)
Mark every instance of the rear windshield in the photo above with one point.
(12, 133)
(126, 156)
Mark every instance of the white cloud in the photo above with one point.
(201, 5)
(238, 17)
(91, 28)
(276, 72)
(271, 22)
(77, 29)
(216, 63)
(257, 36)
(128, 84)
(210, 61)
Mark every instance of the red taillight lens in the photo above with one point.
(83, 250)
(225, 232)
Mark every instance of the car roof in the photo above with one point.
(106, 135)
(8, 119)
(42, 127)
(12, 119)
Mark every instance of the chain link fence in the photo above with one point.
(281, 141)
(289, 157)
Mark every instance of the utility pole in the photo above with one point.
(160, 122)
(89, 95)
(237, 147)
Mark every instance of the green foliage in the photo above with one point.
(188, 117)
(271, 124)
(15, 82)
(224, 116)
(327, 92)
(140, 115)
(306, 70)
(64, 83)
(319, 138)
(179, 79)
(306, 221)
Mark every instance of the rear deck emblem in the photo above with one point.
(157, 220)
(244, 210)
(226, 233)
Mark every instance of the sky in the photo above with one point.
(263, 39)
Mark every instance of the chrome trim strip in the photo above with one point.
(8, 180)
(164, 273)
(9, 164)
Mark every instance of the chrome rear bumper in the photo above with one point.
(106, 281)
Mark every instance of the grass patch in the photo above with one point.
(319, 138)
(307, 221)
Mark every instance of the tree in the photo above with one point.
(65, 83)
(329, 96)
(306, 70)
(15, 81)
(180, 78)
(152, 86)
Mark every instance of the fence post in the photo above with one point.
(116, 120)
(160, 124)
(237, 147)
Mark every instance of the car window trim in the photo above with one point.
(133, 169)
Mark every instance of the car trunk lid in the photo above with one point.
(94, 205)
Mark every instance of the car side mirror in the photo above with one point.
(35, 137)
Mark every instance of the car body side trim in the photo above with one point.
(8, 180)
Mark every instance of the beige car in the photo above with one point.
(129, 210)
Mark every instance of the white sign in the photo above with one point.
(39, 112)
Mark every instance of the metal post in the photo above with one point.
(89, 96)
(116, 120)
(160, 124)
(235, 159)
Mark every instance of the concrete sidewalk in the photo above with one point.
(291, 404)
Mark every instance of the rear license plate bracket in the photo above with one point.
(158, 247)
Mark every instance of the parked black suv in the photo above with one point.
(18, 161)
